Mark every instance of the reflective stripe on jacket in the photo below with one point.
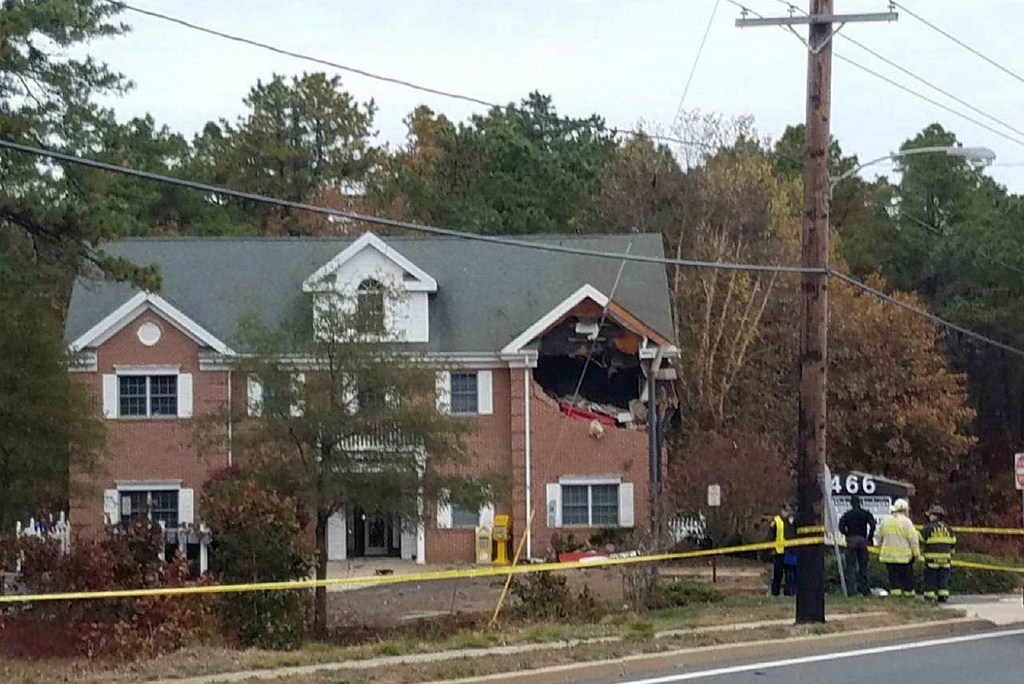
(780, 534)
(939, 541)
(899, 540)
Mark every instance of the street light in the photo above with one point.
(979, 155)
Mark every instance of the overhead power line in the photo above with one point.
(925, 314)
(696, 59)
(509, 242)
(392, 223)
(959, 42)
(899, 85)
(363, 72)
(922, 80)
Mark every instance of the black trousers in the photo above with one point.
(936, 581)
(779, 571)
(901, 578)
(857, 566)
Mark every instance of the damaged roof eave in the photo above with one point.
(614, 310)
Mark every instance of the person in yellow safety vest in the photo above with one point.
(783, 529)
(939, 541)
(900, 546)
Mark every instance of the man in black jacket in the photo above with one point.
(858, 526)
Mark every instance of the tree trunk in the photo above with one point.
(320, 609)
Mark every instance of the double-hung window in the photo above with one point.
(464, 393)
(160, 506)
(591, 505)
(147, 395)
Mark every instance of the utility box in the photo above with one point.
(483, 546)
(501, 538)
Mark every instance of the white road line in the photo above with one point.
(771, 664)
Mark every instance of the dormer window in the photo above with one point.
(370, 304)
(392, 294)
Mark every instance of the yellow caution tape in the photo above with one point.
(819, 529)
(986, 566)
(491, 571)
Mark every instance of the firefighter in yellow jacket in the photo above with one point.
(900, 546)
(939, 542)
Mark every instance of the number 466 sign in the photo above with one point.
(853, 484)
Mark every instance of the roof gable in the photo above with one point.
(130, 310)
(415, 280)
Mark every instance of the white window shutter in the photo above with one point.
(111, 510)
(487, 515)
(554, 496)
(186, 506)
(185, 395)
(443, 394)
(444, 515)
(626, 504)
(484, 393)
(298, 387)
(109, 395)
(255, 399)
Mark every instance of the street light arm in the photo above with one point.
(981, 154)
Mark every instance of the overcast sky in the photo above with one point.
(626, 60)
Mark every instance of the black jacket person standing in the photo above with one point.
(858, 526)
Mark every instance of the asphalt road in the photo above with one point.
(995, 657)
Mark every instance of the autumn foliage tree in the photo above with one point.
(346, 419)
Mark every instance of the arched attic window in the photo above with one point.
(370, 304)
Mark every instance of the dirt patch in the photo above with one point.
(387, 606)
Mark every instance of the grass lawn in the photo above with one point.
(633, 633)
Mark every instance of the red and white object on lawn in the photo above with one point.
(1018, 470)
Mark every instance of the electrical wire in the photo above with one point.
(394, 223)
(959, 42)
(363, 72)
(924, 314)
(916, 77)
(899, 85)
(696, 60)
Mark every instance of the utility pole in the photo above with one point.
(810, 588)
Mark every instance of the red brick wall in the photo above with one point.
(563, 446)
(490, 452)
(150, 448)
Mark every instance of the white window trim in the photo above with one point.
(589, 479)
(146, 485)
(147, 370)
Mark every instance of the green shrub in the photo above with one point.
(961, 580)
(257, 538)
(682, 593)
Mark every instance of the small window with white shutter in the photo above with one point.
(465, 393)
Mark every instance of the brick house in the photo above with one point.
(508, 329)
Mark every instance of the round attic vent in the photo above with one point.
(149, 333)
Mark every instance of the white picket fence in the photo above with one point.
(58, 529)
(688, 528)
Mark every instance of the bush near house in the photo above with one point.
(547, 596)
(121, 559)
(257, 538)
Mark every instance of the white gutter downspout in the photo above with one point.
(529, 509)
(229, 419)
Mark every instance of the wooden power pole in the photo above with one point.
(810, 585)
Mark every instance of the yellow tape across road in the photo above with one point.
(492, 571)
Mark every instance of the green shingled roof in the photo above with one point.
(487, 293)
